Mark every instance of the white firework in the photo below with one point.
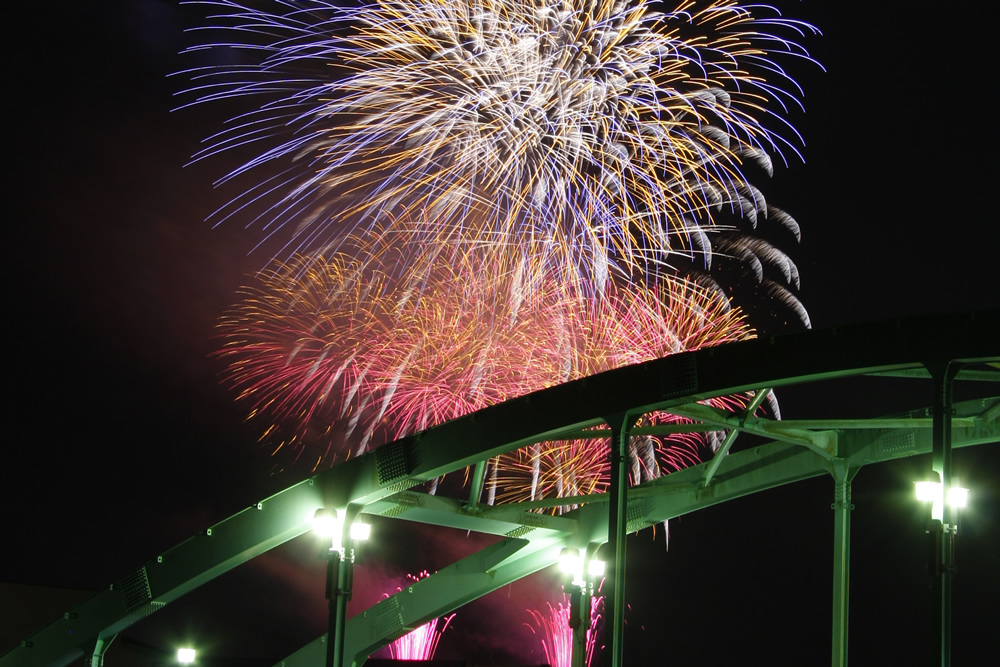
(588, 135)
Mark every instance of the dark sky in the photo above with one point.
(121, 442)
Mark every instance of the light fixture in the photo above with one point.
(185, 656)
(340, 558)
(571, 562)
(595, 568)
(931, 491)
(326, 523)
(958, 496)
(330, 524)
(360, 531)
(927, 492)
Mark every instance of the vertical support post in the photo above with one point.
(478, 476)
(339, 588)
(618, 496)
(333, 562)
(943, 375)
(842, 507)
(580, 622)
(344, 584)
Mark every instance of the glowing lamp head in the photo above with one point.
(958, 496)
(931, 491)
(185, 656)
(326, 523)
(571, 562)
(595, 568)
(927, 492)
(360, 531)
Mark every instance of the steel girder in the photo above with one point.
(377, 480)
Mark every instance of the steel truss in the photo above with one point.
(607, 405)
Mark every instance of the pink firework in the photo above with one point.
(422, 642)
(556, 634)
(351, 355)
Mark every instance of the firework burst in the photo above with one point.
(337, 351)
(586, 134)
(420, 643)
(556, 635)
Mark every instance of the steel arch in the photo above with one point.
(381, 482)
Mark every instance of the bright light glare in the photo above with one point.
(325, 523)
(958, 497)
(932, 492)
(185, 656)
(928, 491)
(570, 561)
(596, 568)
(360, 531)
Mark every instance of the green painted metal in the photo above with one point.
(742, 473)
(476, 486)
(382, 479)
(733, 433)
(943, 373)
(432, 597)
(842, 507)
(822, 442)
(617, 524)
(581, 614)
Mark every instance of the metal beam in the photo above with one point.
(739, 474)
(842, 508)
(823, 443)
(617, 514)
(713, 465)
(432, 597)
(683, 379)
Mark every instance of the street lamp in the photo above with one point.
(340, 558)
(581, 590)
(932, 491)
(941, 532)
(185, 656)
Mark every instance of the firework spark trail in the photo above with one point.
(581, 133)
(574, 468)
(338, 346)
(557, 636)
(422, 642)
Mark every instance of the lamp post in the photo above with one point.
(339, 557)
(581, 590)
(941, 532)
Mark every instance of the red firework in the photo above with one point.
(350, 355)
(556, 635)
(420, 643)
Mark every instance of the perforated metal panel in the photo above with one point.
(391, 462)
(634, 519)
(404, 502)
(679, 376)
(519, 532)
(896, 443)
(134, 588)
(388, 619)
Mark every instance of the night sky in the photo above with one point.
(121, 442)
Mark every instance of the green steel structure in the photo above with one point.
(939, 349)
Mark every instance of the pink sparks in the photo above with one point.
(557, 636)
(422, 642)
